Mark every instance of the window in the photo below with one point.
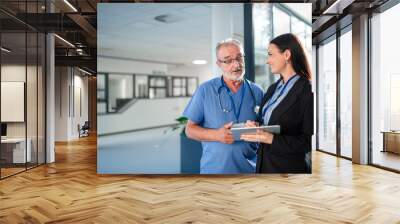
(346, 93)
(271, 20)
(120, 90)
(179, 86)
(327, 96)
(101, 93)
(262, 18)
(157, 87)
(281, 22)
(114, 91)
(101, 87)
(141, 88)
(22, 65)
(385, 89)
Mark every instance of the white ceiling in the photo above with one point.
(129, 30)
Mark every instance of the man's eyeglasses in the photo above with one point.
(230, 61)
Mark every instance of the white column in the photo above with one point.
(314, 85)
(50, 92)
(50, 100)
(360, 90)
(63, 104)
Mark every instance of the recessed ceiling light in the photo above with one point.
(199, 62)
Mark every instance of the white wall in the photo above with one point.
(69, 82)
(108, 65)
(80, 82)
(33, 126)
(203, 72)
(144, 113)
(227, 22)
(112, 65)
(61, 103)
(15, 72)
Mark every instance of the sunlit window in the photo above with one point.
(327, 96)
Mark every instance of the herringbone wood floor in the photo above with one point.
(70, 191)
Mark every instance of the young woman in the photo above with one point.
(288, 103)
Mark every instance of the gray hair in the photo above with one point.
(227, 42)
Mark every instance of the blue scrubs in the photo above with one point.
(205, 110)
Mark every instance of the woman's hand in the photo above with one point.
(250, 124)
(259, 136)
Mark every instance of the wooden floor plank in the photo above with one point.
(70, 191)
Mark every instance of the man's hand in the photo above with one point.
(224, 134)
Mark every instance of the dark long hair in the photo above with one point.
(298, 57)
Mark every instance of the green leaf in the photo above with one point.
(182, 120)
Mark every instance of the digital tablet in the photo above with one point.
(238, 130)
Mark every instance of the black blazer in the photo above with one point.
(294, 114)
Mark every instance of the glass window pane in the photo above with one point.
(101, 94)
(120, 90)
(385, 89)
(293, 20)
(101, 107)
(160, 82)
(13, 84)
(141, 86)
(177, 91)
(262, 17)
(281, 22)
(152, 93)
(346, 94)
(177, 81)
(327, 97)
(101, 80)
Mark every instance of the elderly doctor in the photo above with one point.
(218, 104)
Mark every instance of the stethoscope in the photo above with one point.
(270, 103)
(236, 112)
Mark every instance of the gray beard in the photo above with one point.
(233, 77)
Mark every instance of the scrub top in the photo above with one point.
(211, 107)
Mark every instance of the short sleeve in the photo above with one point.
(194, 111)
